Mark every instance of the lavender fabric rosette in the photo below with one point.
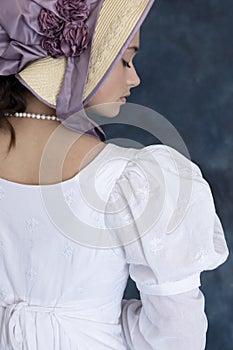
(33, 29)
(66, 34)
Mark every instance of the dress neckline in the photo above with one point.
(74, 178)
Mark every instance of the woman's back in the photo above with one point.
(49, 282)
(22, 164)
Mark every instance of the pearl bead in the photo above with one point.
(32, 115)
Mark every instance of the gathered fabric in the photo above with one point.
(25, 326)
(67, 250)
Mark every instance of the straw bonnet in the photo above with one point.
(63, 50)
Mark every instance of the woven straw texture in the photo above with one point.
(116, 22)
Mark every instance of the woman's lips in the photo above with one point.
(123, 99)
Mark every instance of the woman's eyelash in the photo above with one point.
(126, 64)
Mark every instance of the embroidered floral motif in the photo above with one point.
(70, 196)
(127, 218)
(114, 196)
(2, 193)
(68, 251)
(188, 171)
(156, 245)
(201, 256)
(67, 33)
(142, 195)
(30, 243)
(98, 218)
(3, 294)
(31, 274)
(31, 224)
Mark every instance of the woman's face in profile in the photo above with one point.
(112, 94)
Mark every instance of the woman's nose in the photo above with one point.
(133, 78)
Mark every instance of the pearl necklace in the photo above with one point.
(32, 115)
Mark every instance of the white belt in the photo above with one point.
(14, 319)
(17, 316)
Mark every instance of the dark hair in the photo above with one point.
(12, 99)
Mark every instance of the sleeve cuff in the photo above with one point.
(171, 288)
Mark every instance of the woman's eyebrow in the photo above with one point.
(135, 48)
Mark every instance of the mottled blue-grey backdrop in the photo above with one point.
(186, 67)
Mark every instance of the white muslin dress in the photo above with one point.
(67, 249)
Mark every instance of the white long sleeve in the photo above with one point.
(176, 322)
(161, 213)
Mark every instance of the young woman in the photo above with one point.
(77, 215)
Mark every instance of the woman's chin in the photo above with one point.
(109, 110)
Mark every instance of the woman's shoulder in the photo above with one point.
(153, 158)
(157, 169)
(162, 205)
(108, 165)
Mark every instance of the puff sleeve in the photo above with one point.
(162, 220)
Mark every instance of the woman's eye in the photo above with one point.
(126, 64)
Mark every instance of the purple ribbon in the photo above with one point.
(21, 36)
(24, 37)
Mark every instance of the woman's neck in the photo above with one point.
(36, 106)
